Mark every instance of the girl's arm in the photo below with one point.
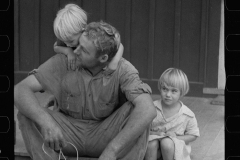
(69, 53)
(187, 138)
(61, 49)
(114, 62)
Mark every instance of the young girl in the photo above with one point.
(68, 27)
(175, 125)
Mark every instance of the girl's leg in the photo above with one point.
(167, 148)
(152, 150)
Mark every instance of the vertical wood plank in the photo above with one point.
(103, 10)
(36, 33)
(163, 36)
(190, 38)
(116, 16)
(93, 10)
(213, 43)
(47, 38)
(203, 41)
(177, 33)
(151, 46)
(16, 35)
(26, 35)
(127, 45)
(140, 36)
(206, 42)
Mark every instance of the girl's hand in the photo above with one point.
(172, 134)
(71, 61)
(156, 131)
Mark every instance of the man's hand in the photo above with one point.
(52, 136)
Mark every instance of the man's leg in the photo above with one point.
(105, 131)
(33, 140)
(152, 150)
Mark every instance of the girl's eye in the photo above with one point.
(164, 88)
(175, 91)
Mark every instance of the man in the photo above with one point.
(90, 114)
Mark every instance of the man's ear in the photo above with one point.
(103, 58)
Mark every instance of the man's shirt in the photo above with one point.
(83, 96)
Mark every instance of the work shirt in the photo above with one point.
(83, 96)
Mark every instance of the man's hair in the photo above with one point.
(105, 37)
(69, 21)
(175, 78)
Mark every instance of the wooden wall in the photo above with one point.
(156, 34)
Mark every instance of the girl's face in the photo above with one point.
(170, 95)
(73, 41)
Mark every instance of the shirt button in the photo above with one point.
(68, 106)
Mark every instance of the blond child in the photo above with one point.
(175, 125)
(68, 26)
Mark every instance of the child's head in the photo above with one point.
(69, 23)
(175, 78)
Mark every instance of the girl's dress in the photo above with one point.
(182, 123)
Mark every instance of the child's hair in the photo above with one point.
(175, 78)
(69, 21)
(105, 37)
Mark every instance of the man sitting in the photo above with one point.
(91, 114)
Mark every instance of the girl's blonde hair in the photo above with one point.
(175, 78)
(69, 21)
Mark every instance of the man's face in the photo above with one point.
(86, 53)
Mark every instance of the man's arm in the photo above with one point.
(27, 104)
(140, 118)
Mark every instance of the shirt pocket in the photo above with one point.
(71, 102)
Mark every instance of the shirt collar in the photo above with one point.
(185, 110)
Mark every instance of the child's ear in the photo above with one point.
(103, 58)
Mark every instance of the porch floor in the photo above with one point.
(209, 146)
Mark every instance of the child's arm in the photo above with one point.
(114, 62)
(191, 132)
(68, 52)
(187, 138)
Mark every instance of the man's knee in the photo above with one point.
(21, 117)
(24, 121)
(167, 144)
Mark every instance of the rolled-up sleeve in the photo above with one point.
(49, 74)
(130, 82)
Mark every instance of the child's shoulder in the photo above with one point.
(187, 110)
(157, 103)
